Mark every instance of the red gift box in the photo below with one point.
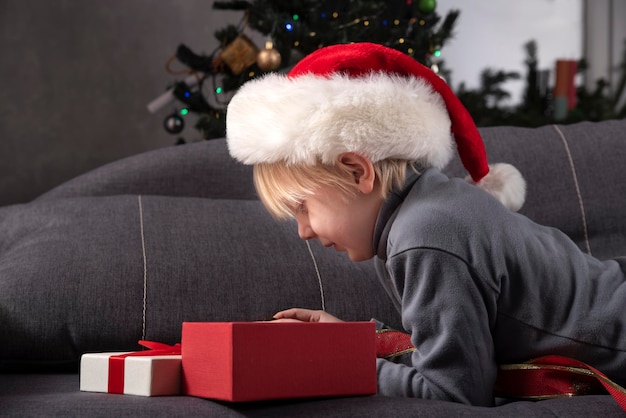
(150, 372)
(251, 361)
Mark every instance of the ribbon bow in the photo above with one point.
(157, 349)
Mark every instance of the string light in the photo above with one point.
(289, 27)
(218, 90)
(184, 111)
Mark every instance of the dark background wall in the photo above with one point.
(75, 79)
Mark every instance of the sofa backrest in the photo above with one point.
(575, 177)
(199, 169)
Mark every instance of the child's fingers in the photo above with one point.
(306, 315)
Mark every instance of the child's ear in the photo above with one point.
(361, 168)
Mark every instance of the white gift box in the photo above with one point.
(141, 375)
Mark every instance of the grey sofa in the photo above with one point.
(134, 248)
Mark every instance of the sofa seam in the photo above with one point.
(145, 269)
(581, 205)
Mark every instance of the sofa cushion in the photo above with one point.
(99, 273)
(58, 395)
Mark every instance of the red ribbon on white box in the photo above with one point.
(116, 363)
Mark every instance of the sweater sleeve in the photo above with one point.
(448, 310)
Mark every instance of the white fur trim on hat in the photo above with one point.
(312, 118)
(505, 183)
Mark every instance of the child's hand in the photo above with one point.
(305, 315)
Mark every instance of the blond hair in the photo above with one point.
(282, 186)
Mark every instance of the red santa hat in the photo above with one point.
(364, 98)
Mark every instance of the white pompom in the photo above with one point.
(506, 184)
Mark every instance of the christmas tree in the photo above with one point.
(293, 29)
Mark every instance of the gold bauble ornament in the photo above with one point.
(269, 58)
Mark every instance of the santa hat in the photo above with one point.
(364, 98)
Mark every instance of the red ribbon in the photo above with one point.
(116, 363)
(391, 343)
(555, 376)
(541, 378)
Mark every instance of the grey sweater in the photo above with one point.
(478, 286)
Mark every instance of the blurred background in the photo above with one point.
(77, 77)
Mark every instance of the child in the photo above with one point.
(350, 144)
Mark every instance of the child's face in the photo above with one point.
(345, 223)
